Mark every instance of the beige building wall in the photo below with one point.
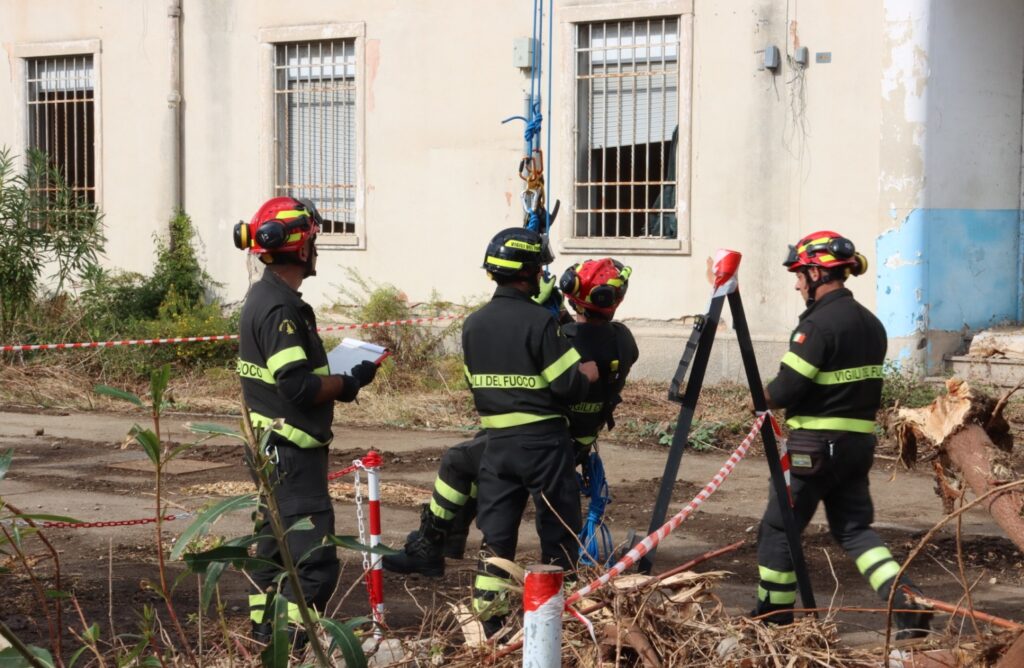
(764, 156)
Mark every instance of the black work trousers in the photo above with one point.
(300, 486)
(454, 499)
(843, 486)
(535, 461)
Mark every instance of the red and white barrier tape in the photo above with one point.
(649, 543)
(18, 347)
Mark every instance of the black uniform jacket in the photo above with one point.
(831, 378)
(280, 360)
(520, 367)
(612, 346)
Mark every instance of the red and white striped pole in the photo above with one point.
(372, 462)
(543, 604)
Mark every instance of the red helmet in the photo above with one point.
(596, 285)
(827, 250)
(281, 225)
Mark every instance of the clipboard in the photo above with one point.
(350, 352)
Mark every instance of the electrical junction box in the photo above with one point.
(800, 56)
(522, 52)
(771, 58)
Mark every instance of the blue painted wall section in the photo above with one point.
(948, 270)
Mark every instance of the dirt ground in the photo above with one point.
(74, 464)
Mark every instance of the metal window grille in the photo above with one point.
(62, 118)
(627, 101)
(315, 107)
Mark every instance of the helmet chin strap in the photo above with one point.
(812, 286)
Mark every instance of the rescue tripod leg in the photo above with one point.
(698, 349)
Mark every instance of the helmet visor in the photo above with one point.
(792, 257)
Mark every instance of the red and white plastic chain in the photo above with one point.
(59, 524)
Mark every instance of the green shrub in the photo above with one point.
(902, 387)
(421, 356)
(43, 222)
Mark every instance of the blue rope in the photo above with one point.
(547, 149)
(595, 538)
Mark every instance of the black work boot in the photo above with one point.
(263, 633)
(458, 532)
(423, 552)
(493, 626)
(910, 625)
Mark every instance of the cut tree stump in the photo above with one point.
(969, 438)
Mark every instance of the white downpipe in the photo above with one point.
(174, 99)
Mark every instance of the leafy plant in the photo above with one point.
(703, 435)
(901, 386)
(43, 222)
(159, 455)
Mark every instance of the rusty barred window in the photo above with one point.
(315, 128)
(627, 128)
(62, 118)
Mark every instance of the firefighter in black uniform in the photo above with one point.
(595, 288)
(830, 384)
(287, 388)
(522, 372)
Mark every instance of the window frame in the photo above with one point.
(23, 52)
(269, 39)
(570, 18)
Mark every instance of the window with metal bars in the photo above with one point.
(62, 118)
(627, 128)
(315, 128)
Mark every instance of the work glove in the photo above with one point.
(364, 372)
(362, 375)
(549, 296)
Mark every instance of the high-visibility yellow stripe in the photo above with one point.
(832, 423)
(776, 597)
(490, 583)
(776, 577)
(511, 264)
(883, 574)
(255, 372)
(872, 557)
(852, 375)
(285, 357)
(449, 492)
(506, 420)
(561, 365)
(293, 434)
(322, 370)
(289, 214)
(522, 245)
(472, 490)
(506, 381)
(800, 365)
(485, 609)
(585, 440)
(440, 511)
(258, 604)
